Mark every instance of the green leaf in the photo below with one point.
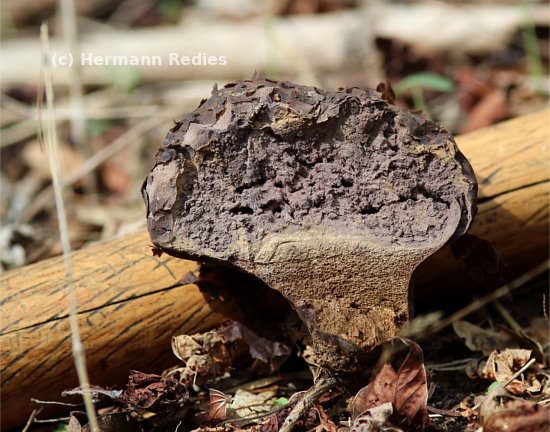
(492, 386)
(97, 127)
(170, 10)
(425, 80)
(282, 401)
(126, 78)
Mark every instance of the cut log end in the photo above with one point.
(276, 178)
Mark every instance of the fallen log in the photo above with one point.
(290, 43)
(510, 160)
(132, 302)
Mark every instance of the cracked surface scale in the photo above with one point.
(261, 157)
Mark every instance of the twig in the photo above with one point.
(491, 297)
(15, 105)
(450, 366)
(26, 128)
(53, 420)
(132, 135)
(41, 402)
(307, 400)
(256, 417)
(51, 142)
(31, 419)
(544, 306)
(269, 380)
(77, 120)
(506, 316)
(442, 412)
(505, 383)
(78, 117)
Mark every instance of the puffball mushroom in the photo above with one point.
(330, 198)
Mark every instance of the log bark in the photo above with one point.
(510, 160)
(131, 302)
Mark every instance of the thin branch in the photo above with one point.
(132, 135)
(31, 419)
(41, 402)
(72, 46)
(505, 383)
(306, 402)
(491, 297)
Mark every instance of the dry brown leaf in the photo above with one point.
(518, 415)
(185, 346)
(272, 424)
(153, 392)
(325, 422)
(479, 339)
(205, 355)
(375, 419)
(76, 420)
(246, 405)
(500, 366)
(380, 391)
(490, 109)
(411, 390)
(405, 390)
(37, 159)
(524, 341)
(156, 251)
(387, 91)
(260, 348)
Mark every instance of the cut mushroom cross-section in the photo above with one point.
(330, 198)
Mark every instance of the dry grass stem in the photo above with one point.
(53, 158)
(491, 297)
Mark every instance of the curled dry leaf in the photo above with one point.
(325, 422)
(211, 354)
(387, 91)
(156, 251)
(205, 355)
(500, 366)
(261, 348)
(247, 405)
(153, 392)
(524, 341)
(517, 415)
(411, 390)
(405, 390)
(375, 419)
(379, 391)
(479, 339)
(491, 109)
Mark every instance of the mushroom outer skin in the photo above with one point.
(330, 198)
